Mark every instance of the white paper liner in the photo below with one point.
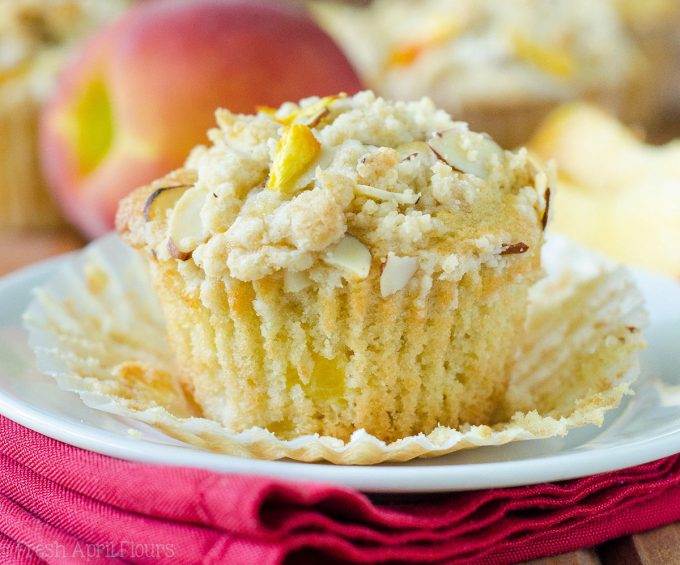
(96, 327)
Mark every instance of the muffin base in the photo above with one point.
(335, 361)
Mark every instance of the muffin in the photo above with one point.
(499, 65)
(655, 25)
(35, 39)
(344, 263)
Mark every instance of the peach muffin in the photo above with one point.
(501, 66)
(36, 37)
(344, 263)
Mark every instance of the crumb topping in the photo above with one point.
(334, 187)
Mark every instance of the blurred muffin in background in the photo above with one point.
(499, 65)
(655, 25)
(35, 39)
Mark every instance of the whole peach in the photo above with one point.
(142, 92)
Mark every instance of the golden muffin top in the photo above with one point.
(333, 187)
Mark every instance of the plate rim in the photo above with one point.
(390, 478)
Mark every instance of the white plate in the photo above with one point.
(644, 428)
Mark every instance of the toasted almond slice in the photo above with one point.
(185, 227)
(408, 150)
(176, 253)
(380, 194)
(350, 255)
(546, 210)
(296, 152)
(163, 199)
(316, 119)
(295, 281)
(396, 274)
(313, 113)
(514, 248)
(466, 151)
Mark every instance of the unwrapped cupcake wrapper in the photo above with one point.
(97, 328)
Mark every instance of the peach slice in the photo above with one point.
(296, 151)
(552, 60)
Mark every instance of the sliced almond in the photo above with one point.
(297, 150)
(546, 210)
(386, 195)
(295, 281)
(408, 150)
(176, 253)
(466, 151)
(161, 200)
(396, 274)
(316, 119)
(185, 227)
(514, 248)
(350, 255)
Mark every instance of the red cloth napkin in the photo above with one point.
(62, 505)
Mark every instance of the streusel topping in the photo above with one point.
(332, 186)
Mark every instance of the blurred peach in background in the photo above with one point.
(143, 92)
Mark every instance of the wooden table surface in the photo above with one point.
(656, 547)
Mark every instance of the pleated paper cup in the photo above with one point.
(97, 328)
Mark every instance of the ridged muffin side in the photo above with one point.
(256, 356)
